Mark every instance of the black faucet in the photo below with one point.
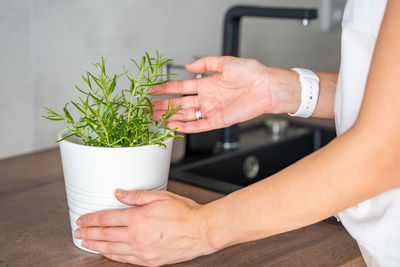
(230, 135)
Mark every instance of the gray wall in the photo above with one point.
(45, 45)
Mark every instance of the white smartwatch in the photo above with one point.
(309, 93)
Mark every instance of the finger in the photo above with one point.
(192, 126)
(104, 218)
(207, 64)
(188, 114)
(104, 247)
(114, 234)
(183, 87)
(139, 197)
(185, 102)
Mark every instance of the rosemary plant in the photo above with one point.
(118, 119)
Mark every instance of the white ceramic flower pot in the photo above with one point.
(92, 174)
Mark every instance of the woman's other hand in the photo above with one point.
(163, 228)
(239, 90)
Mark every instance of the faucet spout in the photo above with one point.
(230, 135)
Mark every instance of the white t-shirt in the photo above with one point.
(374, 223)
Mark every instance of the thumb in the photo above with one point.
(138, 197)
(207, 64)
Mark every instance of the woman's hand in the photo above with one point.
(239, 90)
(163, 228)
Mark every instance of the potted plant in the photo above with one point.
(114, 144)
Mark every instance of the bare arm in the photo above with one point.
(356, 166)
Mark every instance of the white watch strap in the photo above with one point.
(309, 93)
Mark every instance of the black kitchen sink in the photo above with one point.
(262, 153)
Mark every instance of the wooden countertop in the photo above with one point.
(35, 230)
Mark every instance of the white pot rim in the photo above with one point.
(62, 134)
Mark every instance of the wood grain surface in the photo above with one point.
(35, 230)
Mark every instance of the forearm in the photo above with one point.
(360, 164)
(320, 185)
(286, 92)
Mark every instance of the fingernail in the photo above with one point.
(120, 193)
(79, 222)
(84, 243)
(77, 234)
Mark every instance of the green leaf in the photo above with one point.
(103, 64)
(134, 61)
(78, 107)
(165, 62)
(87, 80)
(98, 100)
(68, 136)
(149, 61)
(113, 83)
(143, 63)
(155, 83)
(96, 80)
(83, 92)
(132, 86)
(52, 118)
(67, 114)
